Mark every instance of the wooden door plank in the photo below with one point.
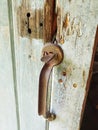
(28, 66)
(8, 120)
(70, 78)
(68, 91)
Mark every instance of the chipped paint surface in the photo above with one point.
(68, 91)
(69, 78)
(79, 33)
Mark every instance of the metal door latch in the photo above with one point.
(52, 55)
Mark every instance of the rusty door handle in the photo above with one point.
(52, 55)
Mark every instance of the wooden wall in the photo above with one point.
(20, 66)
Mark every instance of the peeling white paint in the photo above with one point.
(67, 96)
(67, 103)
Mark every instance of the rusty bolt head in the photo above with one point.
(64, 73)
(74, 85)
(60, 81)
(50, 116)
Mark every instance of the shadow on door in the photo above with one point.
(90, 117)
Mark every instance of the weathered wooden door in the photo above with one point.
(20, 64)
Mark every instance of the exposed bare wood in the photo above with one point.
(30, 22)
(28, 66)
(50, 20)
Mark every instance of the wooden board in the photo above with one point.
(68, 90)
(8, 119)
(68, 96)
(28, 66)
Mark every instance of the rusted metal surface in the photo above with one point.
(52, 55)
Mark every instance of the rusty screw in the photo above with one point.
(74, 85)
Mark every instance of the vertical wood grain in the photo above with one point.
(50, 20)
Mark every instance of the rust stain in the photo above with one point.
(60, 81)
(66, 21)
(62, 40)
(69, 70)
(59, 26)
(72, 25)
(40, 23)
(75, 85)
(64, 73)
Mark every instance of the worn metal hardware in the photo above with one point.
(50, 116)
(52, 55)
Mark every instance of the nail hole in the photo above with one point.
(25, 22)
(28, 14)
(41, 24)
(51, 52)
(29, 30)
